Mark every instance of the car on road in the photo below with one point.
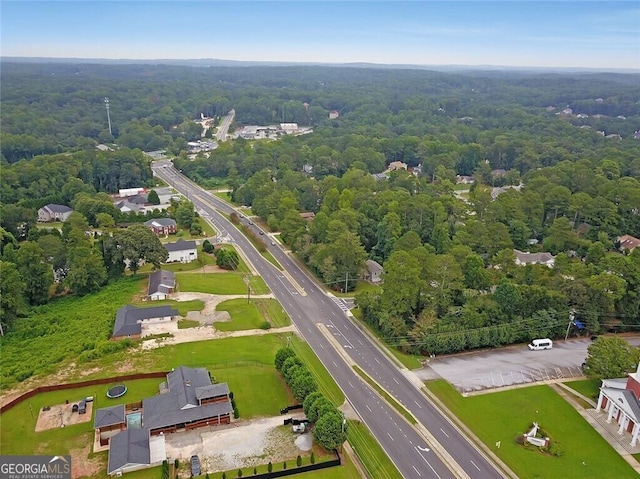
(261, 232)
(195, 466)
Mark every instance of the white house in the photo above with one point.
(53, 212)
(373, 271)
(161, 284)
(182, 251)
(619, 399)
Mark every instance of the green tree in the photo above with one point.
(227, 259)
(35, 272)
(138, 244)
(207, 247)
(185, 214)
(282, 355)
(302, 385)
(402, 284)
(309, 400)
(11, 298)
(153, 197)
(611, 357)
(86, 270)
(329, 431)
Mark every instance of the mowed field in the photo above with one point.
(501, 416)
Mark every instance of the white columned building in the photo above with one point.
(619, 399)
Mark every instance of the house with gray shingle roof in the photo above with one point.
(109, 421)
(182, 251)
(52, 212)
(373, 271)
(161, 284)
(129, 319)
(523, 259)
(129, 451)
(188, 400)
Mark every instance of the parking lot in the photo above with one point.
(510, 366)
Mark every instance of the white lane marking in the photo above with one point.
(334, 363)
(361, 343)
(396, 381)
(417, 404)
(352, 387)
(430, 466)
(377, 360)
(475, 465)
(367, 406)
(391, 437)
(425, 449)
(414, 468)
(444, 432)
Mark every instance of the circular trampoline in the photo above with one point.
(116, 391)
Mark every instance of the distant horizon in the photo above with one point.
(510, 34)
(201, 62)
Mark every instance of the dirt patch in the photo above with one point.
(83, 465)
(61, 415)
(249, 444)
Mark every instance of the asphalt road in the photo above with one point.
(308, 306)
(223, 129)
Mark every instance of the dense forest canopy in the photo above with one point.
(554, 158)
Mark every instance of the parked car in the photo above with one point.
(74, 408)
(195, 466)
(82, 407)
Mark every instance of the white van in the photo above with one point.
(539, 344)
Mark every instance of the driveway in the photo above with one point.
(510, 366)
(241, 444)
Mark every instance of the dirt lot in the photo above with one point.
(60, 416)
(250, 443)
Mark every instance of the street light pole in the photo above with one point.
(572, 316)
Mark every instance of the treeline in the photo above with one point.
(50, 108)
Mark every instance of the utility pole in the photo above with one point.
(106, 105)
(572, 316)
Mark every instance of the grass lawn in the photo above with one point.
(251, 315)
(326, 384)
(258, 389)
(587, 387)
(17, 429)
(244, 315)
(272, 311)
(219, 283)
(360, 287)
(183, 307)
(503, 415)
(371, 454)
(188, 323)
(226, 196)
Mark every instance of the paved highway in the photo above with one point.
(223, 129)
(441, 451)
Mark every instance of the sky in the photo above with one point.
(585, 34)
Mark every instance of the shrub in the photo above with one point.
(312, 458)
(176, 463)
(265, 325)
(231, 395)
(236, 415)
(284, 465)
(207, 247)
(255, 471)
(519, 439)
(269, 467)
(555, 449)
(239, 472)
(224, 475)
(282, 355)
(298, 461)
